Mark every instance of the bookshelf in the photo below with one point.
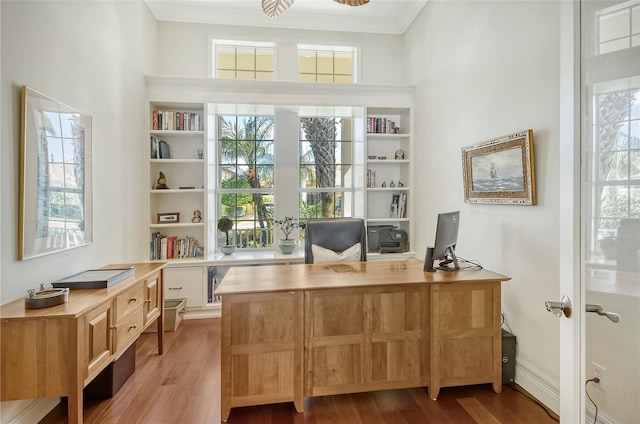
(177, 148)
(389, 168)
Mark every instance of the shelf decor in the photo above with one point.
(500, 171)
(55, 177)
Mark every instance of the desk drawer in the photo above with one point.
(128, 329)
(129, 301)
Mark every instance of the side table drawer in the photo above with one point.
(129, 301)
(129, 328)
(185, 282)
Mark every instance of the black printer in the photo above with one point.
(387, 239)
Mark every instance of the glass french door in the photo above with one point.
(602, 236)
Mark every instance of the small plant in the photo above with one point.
(288, 224)
(225, 225)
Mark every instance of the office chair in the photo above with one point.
(335, 240)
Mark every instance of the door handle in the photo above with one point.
(598, 309)
(559, 308)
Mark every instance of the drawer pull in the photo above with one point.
(147, 301)
(133, 299)
(175, 288)
(113, 327)
(133, 327)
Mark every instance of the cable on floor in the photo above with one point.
(518, 389)
(586, 391)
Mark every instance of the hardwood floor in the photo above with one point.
(183, 386)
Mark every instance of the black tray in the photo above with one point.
(94, 278)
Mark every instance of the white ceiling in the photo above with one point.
(378, 16)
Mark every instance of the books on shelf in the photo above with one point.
(171, 247)
(168, 120)
(377, 125)
(160, 149)
(398, 205)
(371, 178)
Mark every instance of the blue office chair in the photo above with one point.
(338, 236)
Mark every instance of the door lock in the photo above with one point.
(559, 308)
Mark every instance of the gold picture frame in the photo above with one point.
(56, 201)
(500, 171)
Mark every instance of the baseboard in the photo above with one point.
(539, 385)
(212, 312)
(35, 411)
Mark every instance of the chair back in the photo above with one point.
(337, 234)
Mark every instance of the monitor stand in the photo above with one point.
(450, 263)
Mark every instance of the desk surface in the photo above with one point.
(80, 300)
(276, 278)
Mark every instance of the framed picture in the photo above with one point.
(500, 171)
(55, 177)
(169, 218)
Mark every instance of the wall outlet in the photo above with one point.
(599, 371)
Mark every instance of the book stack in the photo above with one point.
(159, 149)
(371, 178)
(176, 121)
(377, 125)
(398, 206)
(171, 247)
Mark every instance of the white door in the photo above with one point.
(600, 240)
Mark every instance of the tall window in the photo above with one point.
(246, 178)
(619, 27)
(243, 60)
(326, 63)
(326, 172)
(616, 164)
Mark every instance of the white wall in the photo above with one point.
(92, 56)
(184, 49)
(484, 69)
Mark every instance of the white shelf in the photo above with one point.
(388, 219)
(178, 225)
(185, 133)
(382, 136)
(388, 188)
(389, 161)
(182, 161)
(176, 190)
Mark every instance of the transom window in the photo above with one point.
(249, 60)
(326, 63)
(619, 27)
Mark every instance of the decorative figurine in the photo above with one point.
(400, 154)
(400, 184)
(197, 217)
(392, 184)
(162, 182)
(200, 154)
(384, 184)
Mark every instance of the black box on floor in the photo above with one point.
(113, 377)
(508, 357)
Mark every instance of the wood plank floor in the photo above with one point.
(183, 386)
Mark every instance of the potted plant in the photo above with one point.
(225, 225)
(287, 225)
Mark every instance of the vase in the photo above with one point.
(287, 246)
(228, 249)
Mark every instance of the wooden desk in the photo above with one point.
(292, 331)
(57, 351)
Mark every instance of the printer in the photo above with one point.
(387, 239)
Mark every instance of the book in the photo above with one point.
(163, 150)
(94, 278)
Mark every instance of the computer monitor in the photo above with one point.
(443, 249)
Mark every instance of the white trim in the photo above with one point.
(539, 385)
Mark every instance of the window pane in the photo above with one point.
(634, 136)
(635, 104)
(324, 78)
(325, 63)
(225, 74)
(343, 63)
(225, 57)
(615, 45)
(323, 204)
(245, 58)
(308, 77)
(634, 165)
(614, 25)
(264, 60)
(245, 75)
(307, 61)
(635, 202)
(343, 79)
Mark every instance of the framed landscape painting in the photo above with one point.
(500, 171)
